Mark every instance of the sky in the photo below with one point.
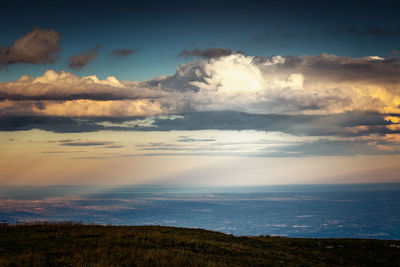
(199, 93)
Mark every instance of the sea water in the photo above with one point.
(354, 211)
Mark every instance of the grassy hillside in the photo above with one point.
(92, 245)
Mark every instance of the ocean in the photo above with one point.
(318, 211)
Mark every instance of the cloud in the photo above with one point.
(34, 47)
(346, 125)
(301, 135)
(209, 53)
(82, 107)
(62, 85)
(373, 31)
(316, 148)
(48, 123)
(336, 105)
(351, 30)
(260, 39)
(87, 143)
(123, 52)
(295, 84)
(80, 60)
(325, 147)
(380, 31)
(62, 151)
(186, 139)
(292, 85)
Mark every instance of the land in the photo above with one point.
(69, 244)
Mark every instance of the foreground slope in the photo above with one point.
(93, 245)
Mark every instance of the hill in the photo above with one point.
(70, 244)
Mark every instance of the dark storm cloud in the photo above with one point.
(341, 68)
(34, 47)
(88, 96)
(346, 134)
(48, 123)
(209, 53)
(123, 52)
(15, 97)
(80, 60)
(310, 125)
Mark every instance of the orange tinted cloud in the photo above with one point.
(80, 60)
(82, 107)
(324, 84)
(36, 46)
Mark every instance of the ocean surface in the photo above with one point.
(354, 211)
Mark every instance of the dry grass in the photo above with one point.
(68, 244)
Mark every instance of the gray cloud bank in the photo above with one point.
(344, 124)
(343, 134)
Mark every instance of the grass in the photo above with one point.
(68, 244)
